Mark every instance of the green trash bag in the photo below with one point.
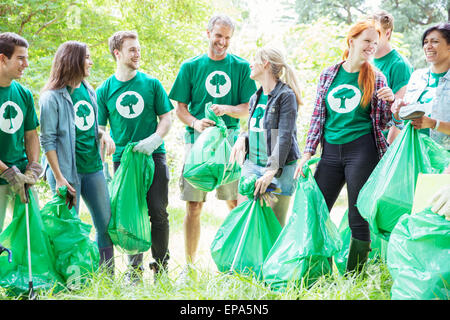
(389, 191)
(14, 276)
(246, 236)
(129, 227)
(378, 246)
(306, 242)
(207, 164)
(418, 257)
(76, 255)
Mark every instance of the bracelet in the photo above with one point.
(192, 125)
(438, 122)
(395, 120)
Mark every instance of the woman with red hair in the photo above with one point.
(352, 107)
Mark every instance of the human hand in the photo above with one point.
(263, 182)
(71, 195)
(386, 94)
(202, 124)
(17, 181)
(219, 109)
(107, 143)
(441, 202)
(299, 170)
(149, 144)
(423, 123)
(33, 172)
(238, 151)
(397, 105)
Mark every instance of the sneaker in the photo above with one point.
(412, 111)
(187, 275)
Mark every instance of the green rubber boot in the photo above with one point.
(358, 254)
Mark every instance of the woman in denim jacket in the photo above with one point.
(270, 146)
(429, 88)
(72, 141)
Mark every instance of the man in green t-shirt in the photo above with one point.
(392, 64)
(19, 141)
(223, 79)
(139, 110)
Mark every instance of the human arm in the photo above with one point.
(238, 111)
(152, 142)
(106, 142)
(427, 122)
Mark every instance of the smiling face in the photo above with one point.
(130, 55)
(364, 46)
(14, 67)
(436, 48)
(219, 40)
(87, 63)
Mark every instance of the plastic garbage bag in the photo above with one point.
(306, 242)
(207, 165)
(129, 227)
(14, 276)
(76, 255)
(247, 234)
(389, 191)
(418, 257)
(378, 246)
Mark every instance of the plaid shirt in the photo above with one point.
(380, 112)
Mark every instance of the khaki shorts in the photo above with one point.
(224, 192)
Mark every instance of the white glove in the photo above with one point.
(441, 202)
(149, 144)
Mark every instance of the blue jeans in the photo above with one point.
(95, 195)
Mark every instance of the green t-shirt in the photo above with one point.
(87, 155)
(346, 119)
(395, 68)
(256, 134)
(429, 94)
(132, 108)
(17, 115)
(202, 80)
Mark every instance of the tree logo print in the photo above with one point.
(84, 115)
(218, 84)
(256, 123)
(11, 117)
(130, 104)
(344, 98)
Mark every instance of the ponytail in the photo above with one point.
(291, 80)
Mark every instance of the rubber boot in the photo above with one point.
(358, 254)
(107, 259)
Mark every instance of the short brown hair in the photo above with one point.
(9, 41)
(385, 19)
(117, 39)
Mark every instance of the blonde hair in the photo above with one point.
(280, 69)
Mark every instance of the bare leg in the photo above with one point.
(192, 229)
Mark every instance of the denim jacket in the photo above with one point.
(280, 124)
(440, 108)
(58, 129)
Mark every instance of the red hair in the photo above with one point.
(366, 78)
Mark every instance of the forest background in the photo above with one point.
(311, 33)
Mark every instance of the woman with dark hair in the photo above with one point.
(72, 140)
(428, 89)
(352, 108)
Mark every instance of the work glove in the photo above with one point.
(148, 145)
(441, 202)
(17, 181)
(33, 171)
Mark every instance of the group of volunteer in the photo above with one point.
(362, 105)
